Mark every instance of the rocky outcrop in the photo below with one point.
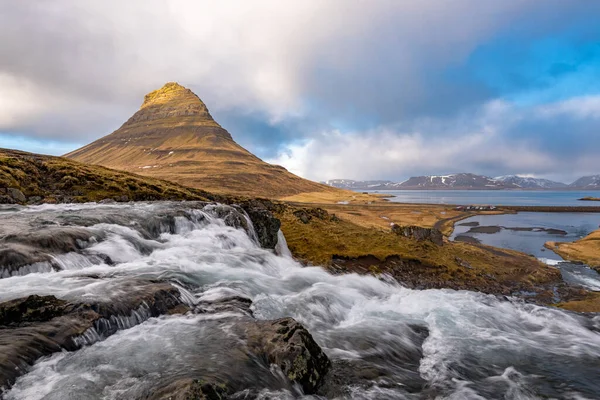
(266, 225)
(38, 326)
(419, 233)
(287, 344)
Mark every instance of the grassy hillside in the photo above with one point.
(55, 179)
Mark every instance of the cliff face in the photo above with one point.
(174, 137)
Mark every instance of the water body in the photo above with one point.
(475, 346)
(493, 197)
(527, 232)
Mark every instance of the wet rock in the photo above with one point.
(56, 240)
(266, 227)
(31, 309)
(419, 233)
(14, 257)
(190, 389)
(287, 344)
(37, 326)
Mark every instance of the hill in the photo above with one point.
(174, 137)
(357, 185)
(33, 178)
(530, 183)
(587, 182)
(454, 181)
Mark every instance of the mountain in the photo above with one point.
(357, 185)
(454, 181)
(174, 137)
(587, 182)
(530, 183)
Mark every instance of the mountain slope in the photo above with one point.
(454, 181)
(587, 182)
(357, 185)
(174, 137)
(530, 183)
(34, 178)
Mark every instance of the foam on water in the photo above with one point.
(434, 343)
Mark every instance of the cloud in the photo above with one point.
(500, 138)
(285, 76)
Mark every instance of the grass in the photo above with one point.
(56, 179)
(586, 250)
(323, 239)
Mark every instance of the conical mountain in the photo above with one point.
(174, 137)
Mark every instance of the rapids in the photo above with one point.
(386, 341)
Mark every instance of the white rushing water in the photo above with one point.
(425, 344)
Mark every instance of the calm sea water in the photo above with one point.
(574, 225)
(493, 197)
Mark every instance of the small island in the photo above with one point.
(590, 198)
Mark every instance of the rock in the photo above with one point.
(35, 200)
(16, 195)
(463, 263)
(37, 326)
(265, 224)
(419, 233)
(190, 389)
(303, 216)
(31, 309)
(287, 344)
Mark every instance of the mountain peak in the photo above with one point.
(171, 91)
(173, 100)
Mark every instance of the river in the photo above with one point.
(413, 344)
(555, 198)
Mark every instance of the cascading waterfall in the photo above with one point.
(386, 341)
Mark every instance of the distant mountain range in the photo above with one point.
(467, 181)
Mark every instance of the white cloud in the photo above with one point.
(480, 142)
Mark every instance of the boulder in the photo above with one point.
(17, 195)
(287, 344)
(419, 233)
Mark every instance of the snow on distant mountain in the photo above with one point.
(455, 181)
(358, 185)
(530, 183)
(587, 182)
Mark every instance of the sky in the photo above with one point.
(383, 89)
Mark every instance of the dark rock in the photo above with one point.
(190, 389)
(38, 326)
(303, 216)
(265, 224)
(35, 200)
(17, 195)
(287, 344)
(419, 233)
(31, 309)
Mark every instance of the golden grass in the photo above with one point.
(59, 179)
(586, 250)
(591, 303)
(320, 240)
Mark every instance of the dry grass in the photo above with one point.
(58, 179)
(321, 240)
(586, 250)
(591, 303)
